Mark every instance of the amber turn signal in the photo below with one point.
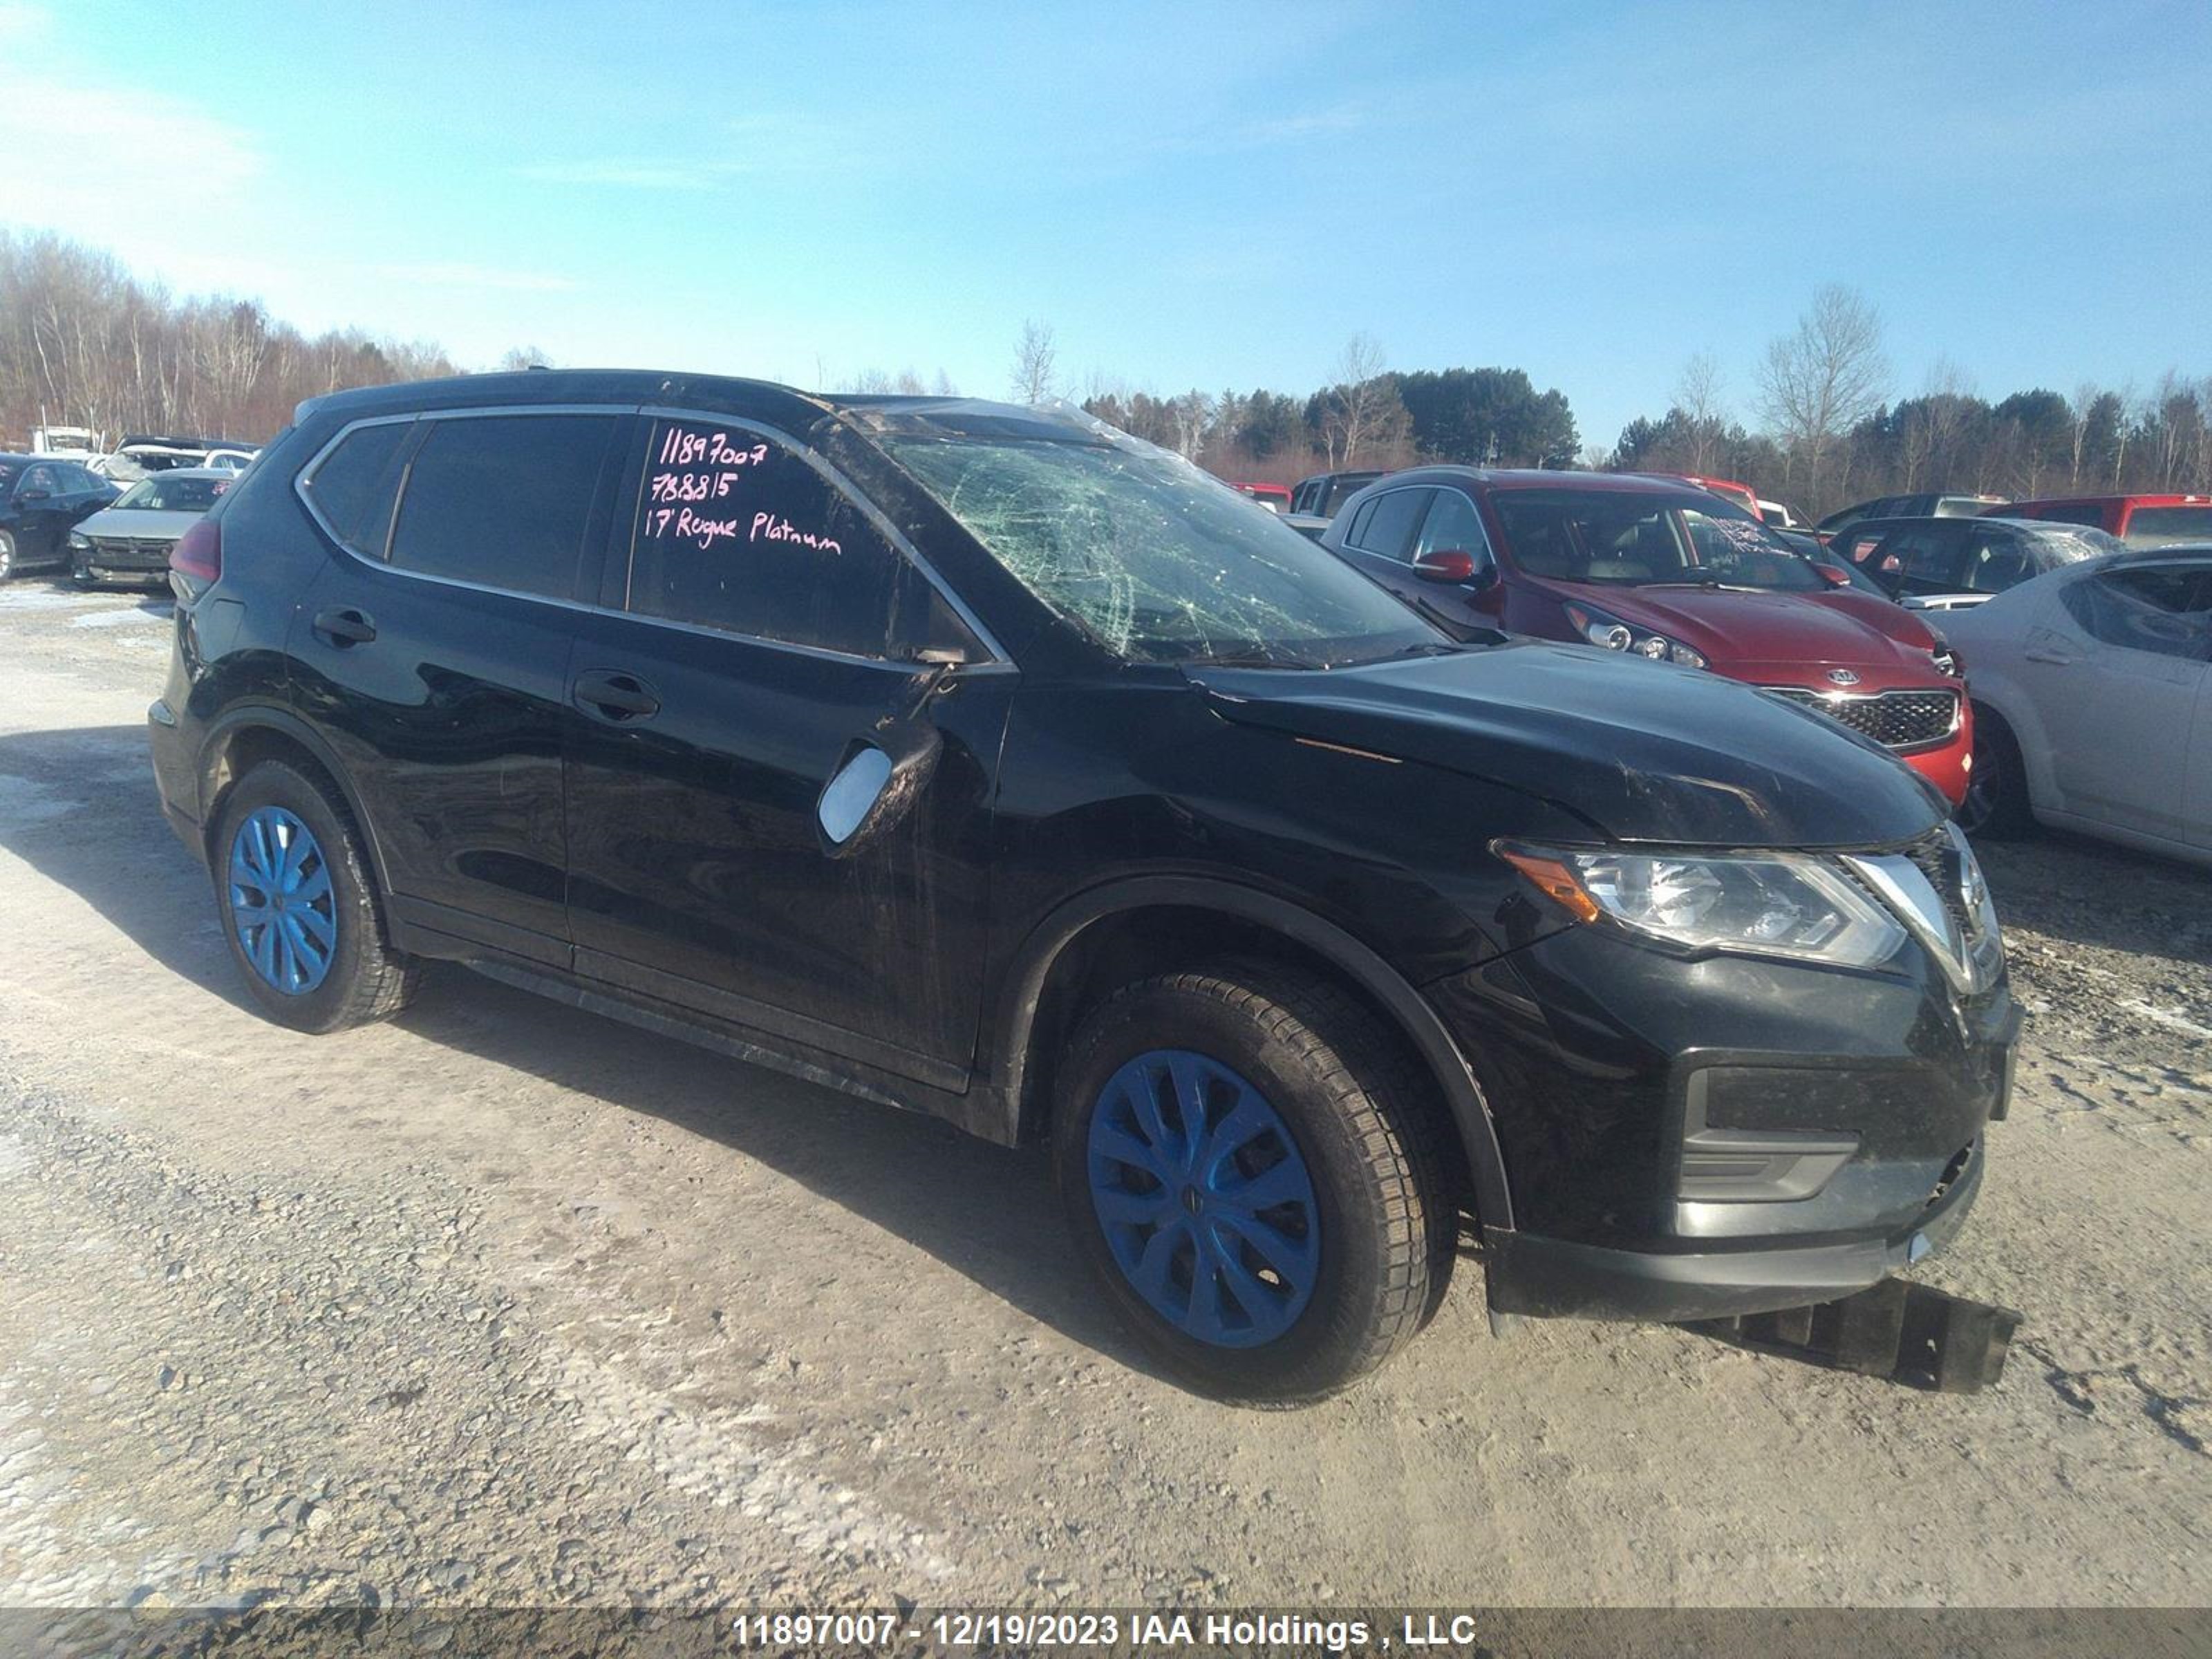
(1556, 881)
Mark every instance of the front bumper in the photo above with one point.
(145, 562)
(1690, 1139)
(1557, 1278)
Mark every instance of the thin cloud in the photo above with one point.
(461, 274)
(630, 175)
(109, 135)
(1289, 129)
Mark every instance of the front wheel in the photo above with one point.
(80, 567)
(1248, 1168)
(1996, 789)
(7, 555)
(299, 906)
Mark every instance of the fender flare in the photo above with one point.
(272, 717)
(1033, 963)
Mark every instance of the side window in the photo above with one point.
(354, 486)
(1389, 530)
(503, 500)
(39, 478)
(1931, 563)
(737, 531)
(1453, 525)
(2160, 612)
(1360, 520)
(1996, 560)
(1886, 564)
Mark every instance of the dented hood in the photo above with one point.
(1642, 751)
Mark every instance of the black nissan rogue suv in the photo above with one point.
(985, 761)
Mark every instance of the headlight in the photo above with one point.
(1777, 904)
(1614, 635)
(77, 540)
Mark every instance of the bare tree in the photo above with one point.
(1823, 378)
(1356, 410)
(1191, 413)
(1698, 395)
(524, 357)
(1036, 365)
(2081, 413)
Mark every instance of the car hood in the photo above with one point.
(138, 522)
(1733, 627)
(1642, 752)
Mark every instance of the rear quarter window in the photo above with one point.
(353, 487)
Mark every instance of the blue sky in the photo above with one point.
(1188, 194)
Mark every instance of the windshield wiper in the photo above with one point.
(1711, 584)
(1261, 658)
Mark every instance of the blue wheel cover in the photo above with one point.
(281, 902)
(1204, 1197)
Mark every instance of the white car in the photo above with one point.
(2091, 688)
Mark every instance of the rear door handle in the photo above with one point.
(614, 696)
(346, 628)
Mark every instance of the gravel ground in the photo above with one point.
(501, 1304)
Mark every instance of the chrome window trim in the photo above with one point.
(998, 661)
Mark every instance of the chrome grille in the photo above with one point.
(1896, 720)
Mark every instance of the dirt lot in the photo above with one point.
(504, 1303)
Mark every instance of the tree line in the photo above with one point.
(1823, 431)
(1829, 435)
(1367, 415)
(83, 342)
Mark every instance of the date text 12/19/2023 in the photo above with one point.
(1079, 1631)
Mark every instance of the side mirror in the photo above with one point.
(1449, 565)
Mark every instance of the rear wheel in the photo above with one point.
(1248, 1168)
(298, 908)
(7, 555)
(1996, 791)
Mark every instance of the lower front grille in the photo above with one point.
(1896, 720)
(131, 552)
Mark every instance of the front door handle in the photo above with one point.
(346, 628)
(616, 697)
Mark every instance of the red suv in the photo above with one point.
(2138, 520)
(1665, 571)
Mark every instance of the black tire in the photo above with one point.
(1997, 804)
(81, 570)
(7, 555)
(367, 980)
(1362, 1115)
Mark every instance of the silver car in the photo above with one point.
(2093, 701)
(130, 540)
